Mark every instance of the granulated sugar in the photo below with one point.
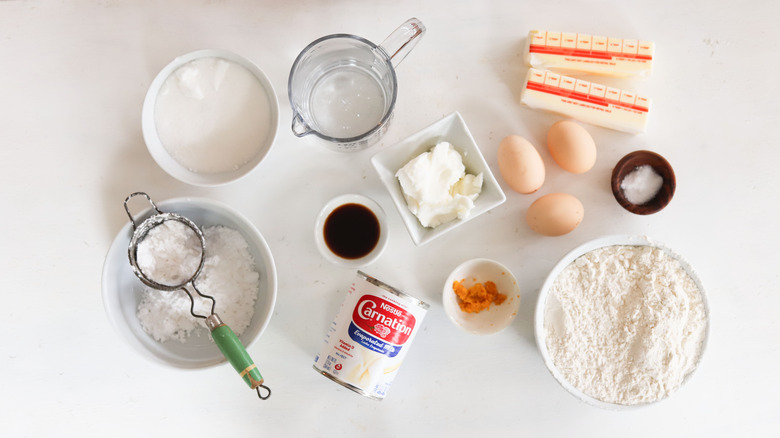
(212, 115)
(625, 324)
(228, 275)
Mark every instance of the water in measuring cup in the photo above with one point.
(346, 102)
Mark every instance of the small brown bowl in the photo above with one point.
(662, 167)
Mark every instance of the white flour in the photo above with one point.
(228, 275)
(625, 324)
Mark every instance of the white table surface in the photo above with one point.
(73, 76)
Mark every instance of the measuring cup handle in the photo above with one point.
(403, 40)
(299, 127)
(234, 351)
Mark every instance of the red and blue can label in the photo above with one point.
(366, 343)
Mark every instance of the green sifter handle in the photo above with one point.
(234, 351)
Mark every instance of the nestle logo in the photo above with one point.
(379, 317)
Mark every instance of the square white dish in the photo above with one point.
(452, 129)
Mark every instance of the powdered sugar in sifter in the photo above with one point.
(227, 341)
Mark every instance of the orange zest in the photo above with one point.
(478, 297)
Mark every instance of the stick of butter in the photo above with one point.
(586, 101)
(576, 52)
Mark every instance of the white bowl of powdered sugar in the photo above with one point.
(239, 272)
(622, 322)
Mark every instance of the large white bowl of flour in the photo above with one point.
(622, 322)
(151, 334)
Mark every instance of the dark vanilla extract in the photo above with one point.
(351, 231)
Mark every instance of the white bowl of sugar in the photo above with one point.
(158, 324)
(622, 322)
(210, 117)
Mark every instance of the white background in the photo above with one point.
(73, 76)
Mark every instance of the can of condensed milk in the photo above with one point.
(370, 337)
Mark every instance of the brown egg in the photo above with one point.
(571, 146)
(520, 164)
(555, 214)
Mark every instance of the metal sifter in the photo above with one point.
(227, 341)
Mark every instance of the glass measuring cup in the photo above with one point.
(343, 87)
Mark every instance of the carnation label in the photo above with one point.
(367, 342)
